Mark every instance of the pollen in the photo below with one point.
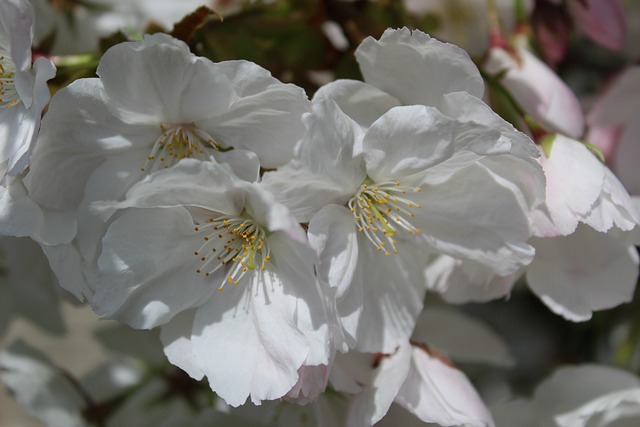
(383, 209)
(176, 143)
(8, 93)
(242, 246)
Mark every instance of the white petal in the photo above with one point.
(178, 346)
(210, 186)
(583, 272)
(472, 216)
(374, 401)
(409, 140)
(429, 68)
(613, 207)
(312, 382)
(164, 83)
(326, 168)
(461, 337)
(393, 290)
(266, 117)
(245, 164)
(438, 393)
(332, 234)
(76, 133)
(260, 332)
(139, 284)
(21, 216)
(360, 101)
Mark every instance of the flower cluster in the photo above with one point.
(283, 247)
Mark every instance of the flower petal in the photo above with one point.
(429, 68)
(438, 393)
(178, 346)
(360, 101)
(138, 283)
(583, 272)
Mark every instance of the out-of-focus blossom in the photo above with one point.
(538, 90)
(614, 127)
(601, 20)
(27, 285)
(23, 87)
(580, 396)
(466, 22)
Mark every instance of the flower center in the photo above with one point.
(8, 93)
(235, 243)
(178, 143)
(381, 210)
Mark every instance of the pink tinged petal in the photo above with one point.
(613, 207)
(624, 160)
(211, 186)
(386, 381)
(461, 337)
(473, 217)
(407, 141)
(571, 387)
(601, 20)
(178, 347)
(621, 408)
(264, 117)
(575, 180)
(583, 272)
(139, 284)
(360, 101)
(617, 105)
(429, 68)
(77, 132)
(436, 392)
(351, 371)
(163, 84)
(332, 234)
(312, 381)
(552, 29)
(538, 90)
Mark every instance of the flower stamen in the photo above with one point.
(236, 243)
(382, 210)
(178, 143)
(8, 93)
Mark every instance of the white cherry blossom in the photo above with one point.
(237, 298)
